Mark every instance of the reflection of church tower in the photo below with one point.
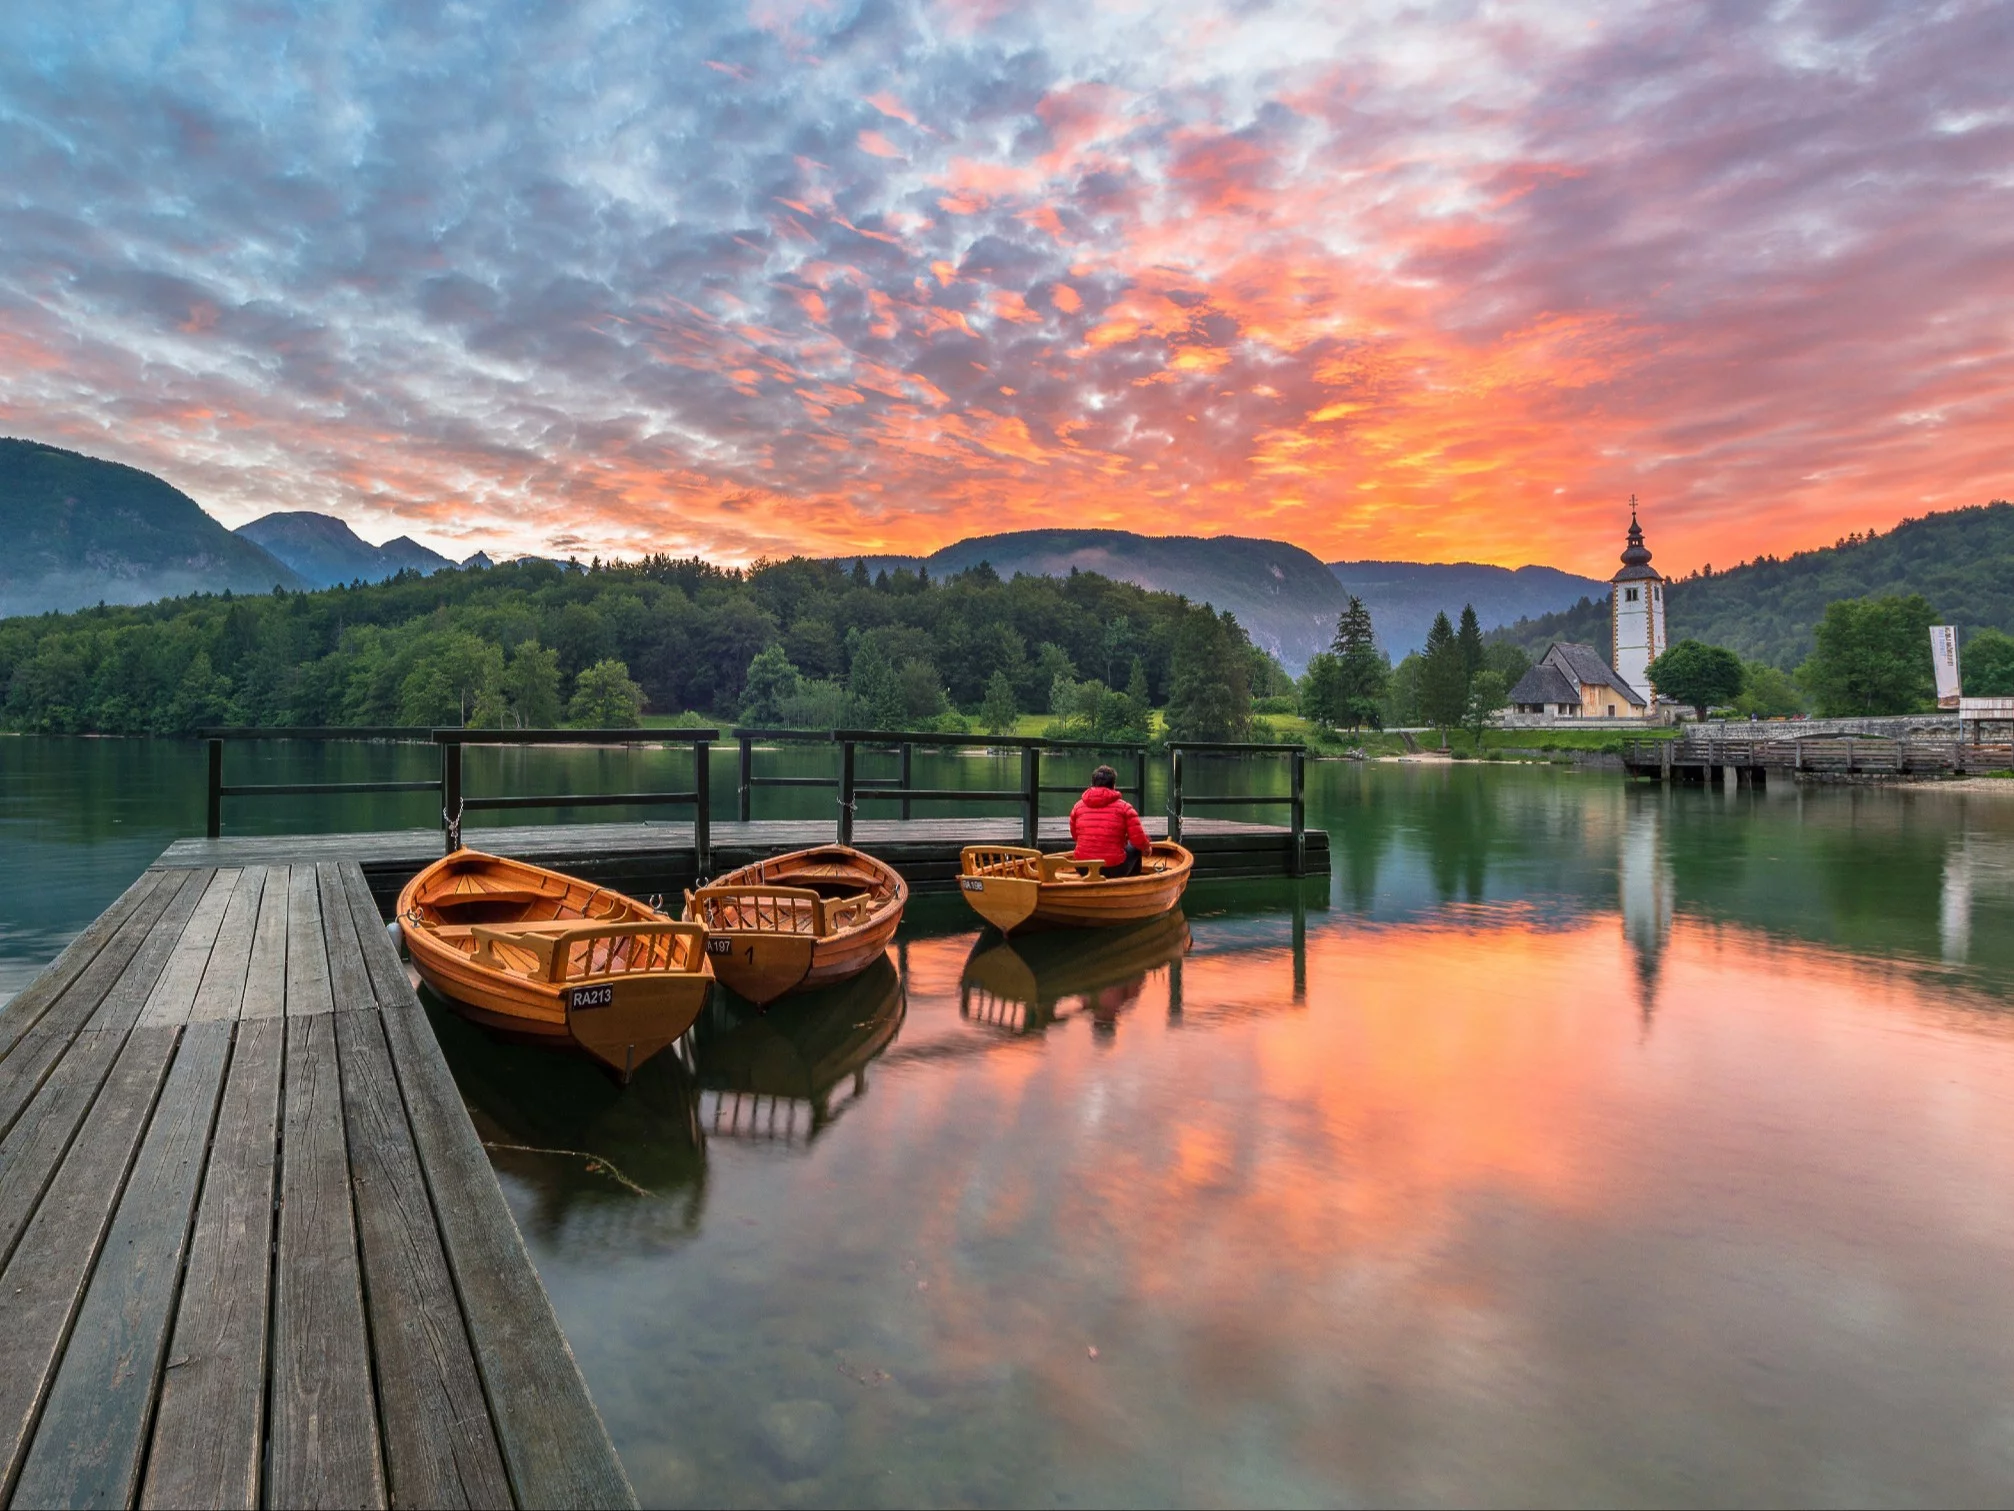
(1644, 882)
(1636, 614)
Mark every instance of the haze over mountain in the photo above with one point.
(1962, 560)
(324, 551)
(80, 531)
(1284, 597)
(1404, 596)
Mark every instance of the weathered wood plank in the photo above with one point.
(87, 1447)
(324, 1447)
(266, 972)
(349, 982)
(221, 997)
(106, 995)
(43, 1282)
(174, 994)
(381, 959)
(36, 1144)
(440, 1449)
(123, 1002)
(307, 950)
(27, 1006)
(554, 1443)
(209, 1429)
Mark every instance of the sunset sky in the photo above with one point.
(1432, 281)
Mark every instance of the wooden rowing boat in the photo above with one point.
(798, 921)
(530, 951)
(1012, 888)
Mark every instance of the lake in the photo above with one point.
(1572, 1142)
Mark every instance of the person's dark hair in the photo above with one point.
(1104, 776)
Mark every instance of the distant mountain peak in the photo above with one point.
(325, 551)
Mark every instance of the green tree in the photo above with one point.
(1324, 702)
(1986, 663)
(1470, 635)
(449, 671)
(1767, 691)
(770, 682)
(875, 688)
(998, 712)
(531, 685)
(1138, 694)
(1507, 660)
(1488, 692)
(1443, 677)
(605, 698)
(1873, 657)
(1704, 676)
(1365, 674)
(922, 693)
(1209, 698)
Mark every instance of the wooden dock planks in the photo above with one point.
(173, 1335)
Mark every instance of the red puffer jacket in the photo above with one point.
(1102, 823)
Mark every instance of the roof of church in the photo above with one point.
(1544, 684)
(1588, 667)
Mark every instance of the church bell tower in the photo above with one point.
(1636, 615)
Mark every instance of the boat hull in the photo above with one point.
(800, 921)
(1018, 889)
(540, 955)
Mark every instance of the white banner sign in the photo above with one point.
(1944, 658)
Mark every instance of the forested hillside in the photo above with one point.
(1765, 610)
(516, 644)
(79, 531)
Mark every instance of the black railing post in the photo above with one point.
(1298, 762)
(1031, 796)
(908, 750)
(214, 825)
(1175, 793)
(744, 807)
(702, 807)
(1140, 777)
(451, 795)
(845, 792)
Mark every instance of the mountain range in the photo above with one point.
(1286, 598)
(324, 551)
(1765, 610)
(80, 531)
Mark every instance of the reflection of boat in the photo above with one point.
(783, 1074)
(798, 921)
(520, 948)
(1016, 984)
(1014, 888)
(604, 1167)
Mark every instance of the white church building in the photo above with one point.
(1577, 681)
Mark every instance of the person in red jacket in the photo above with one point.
(1106, 827)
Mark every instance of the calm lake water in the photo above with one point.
(1570, 1143)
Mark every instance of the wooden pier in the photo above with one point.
(251, 1249)
(661, 858)
(1714, 758)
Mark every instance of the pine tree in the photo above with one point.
(1471, 638)
(1211, 698)
(1363, 674)
(1443, 679)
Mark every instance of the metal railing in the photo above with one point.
(1295, 799)
(218, 789)
(455, 802)
(853, 790)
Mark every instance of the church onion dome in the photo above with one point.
(1636, 565)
